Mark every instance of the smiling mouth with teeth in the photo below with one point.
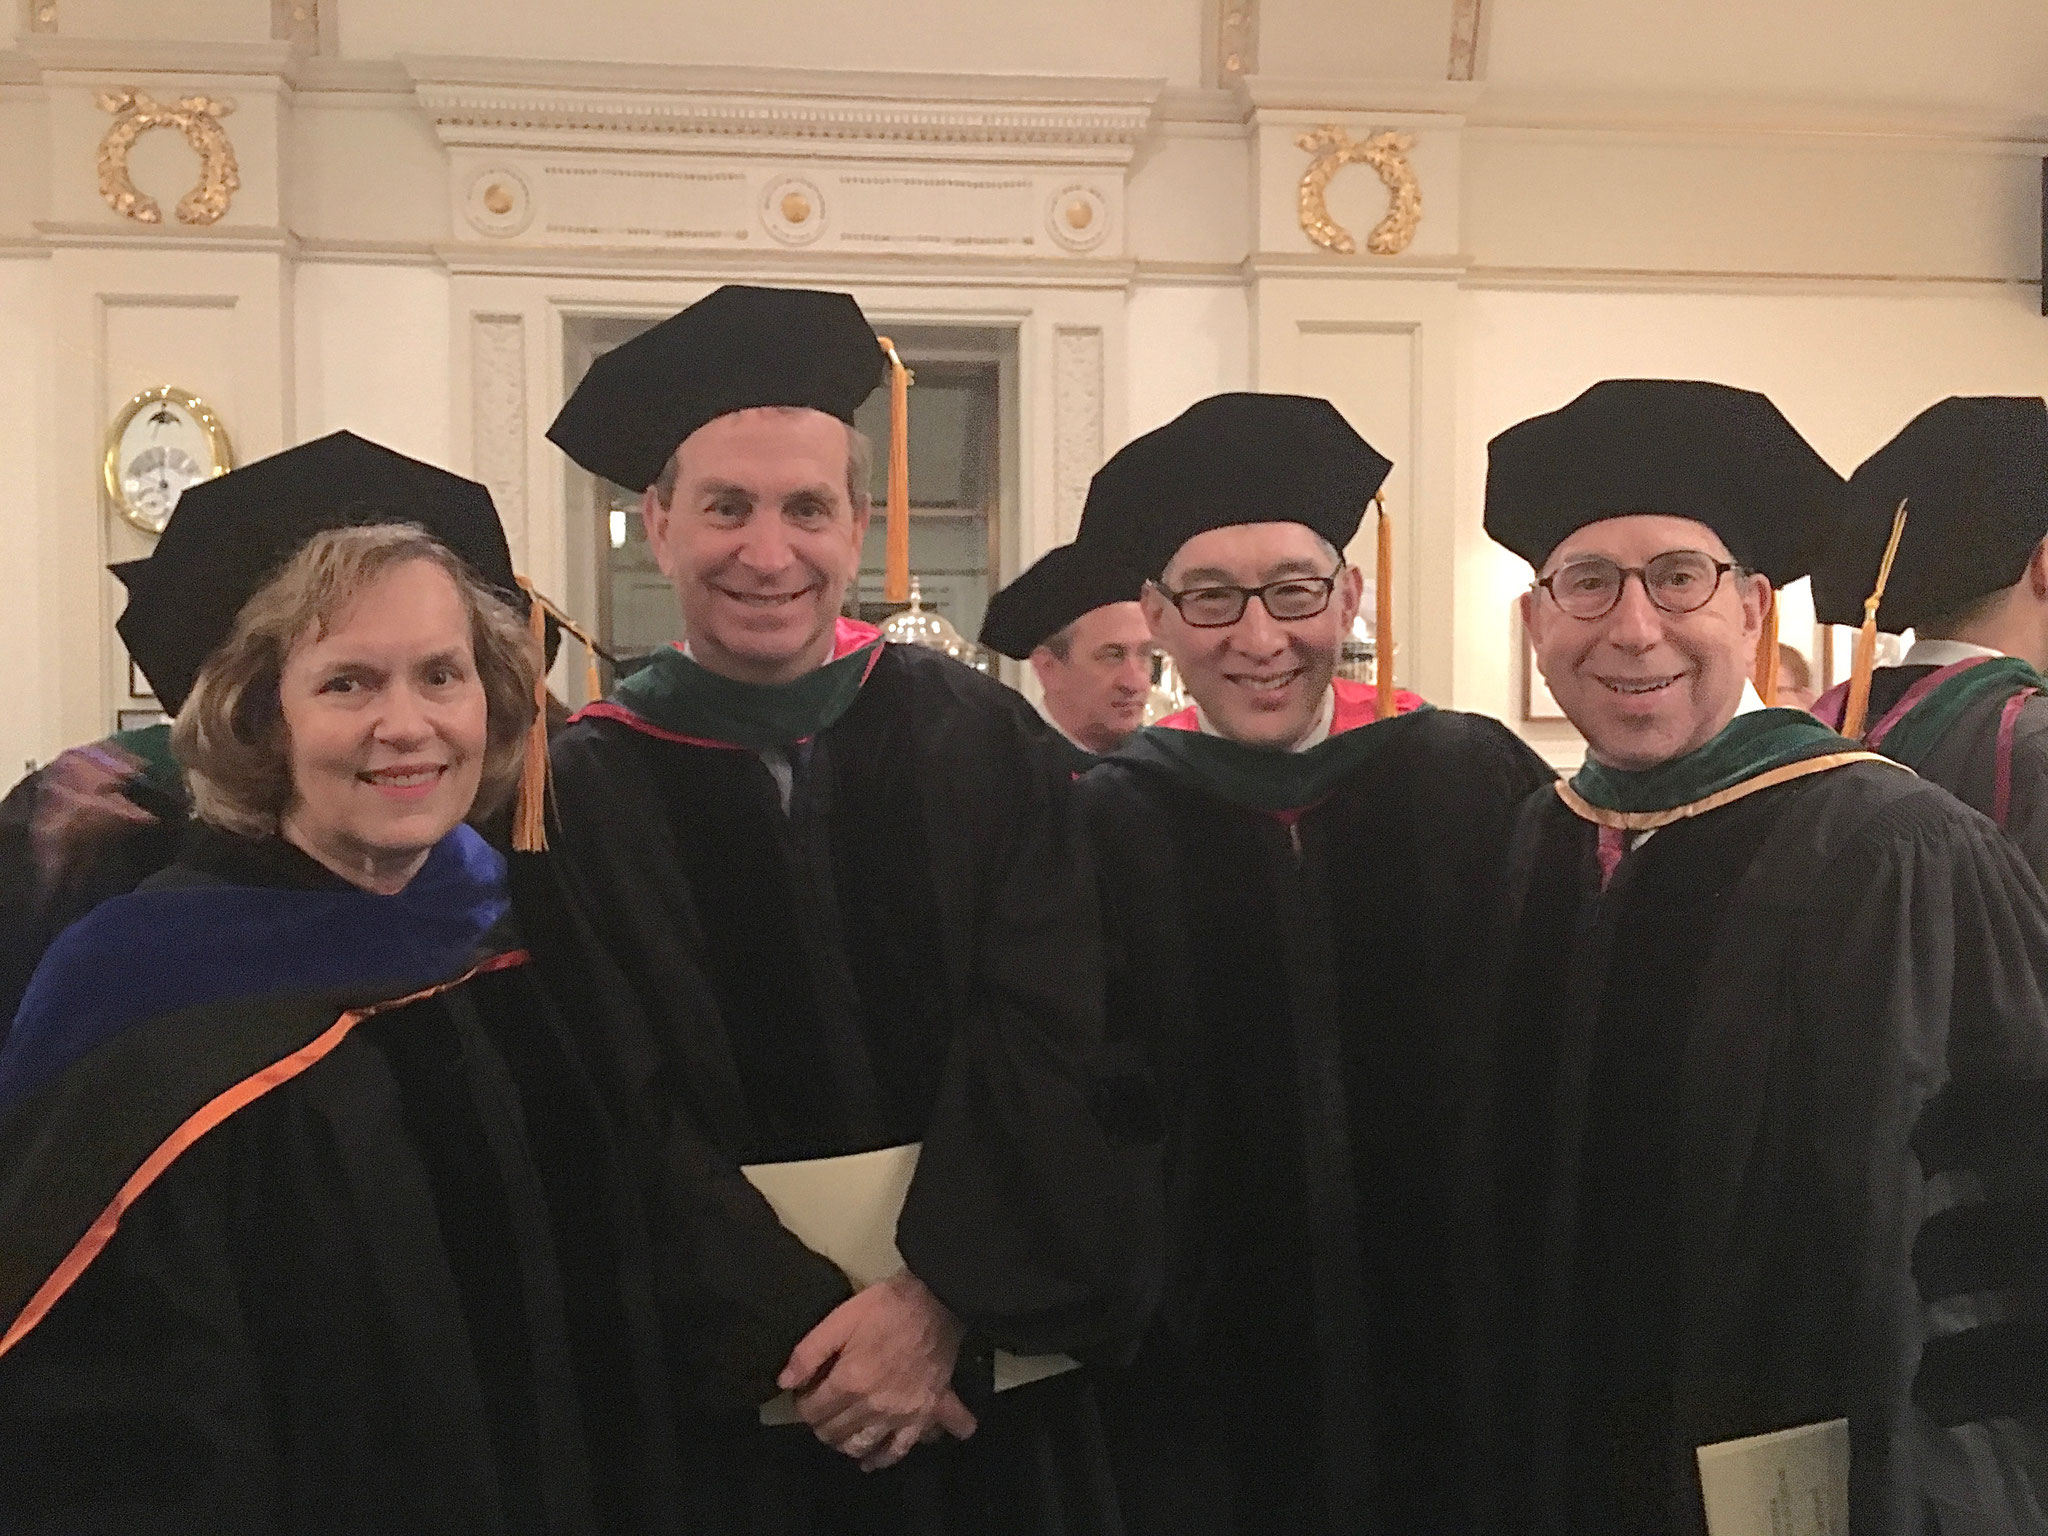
(765, 599)
(1633, 686)
(402, 778)
(1267, 684)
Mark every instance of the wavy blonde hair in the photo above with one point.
(231, 736)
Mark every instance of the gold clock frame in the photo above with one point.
(110, 466)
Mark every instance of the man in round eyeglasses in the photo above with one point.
(1774, 1068)
(1292, 887)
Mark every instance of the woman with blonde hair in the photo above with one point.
(309, 1218)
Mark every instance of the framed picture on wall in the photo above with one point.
(138, 685)
(1537, 703)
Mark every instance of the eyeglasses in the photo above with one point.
(1677, 581)
(1296, 597)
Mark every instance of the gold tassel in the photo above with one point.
(896, 562)
(529, 810)
(1764, 672)
(1383, 615)
(593, 680)
(1858, 703)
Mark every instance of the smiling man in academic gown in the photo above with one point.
(1292, 872)
(830, 874)
(1775, 1072)
(1968, 706)
(1075, 617)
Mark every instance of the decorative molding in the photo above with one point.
(1237, 39)
(1077, 446)
(1394, 100)
(296, 22)
(1465, 16)
(472, 102)
(270, 239)
(498, 203)
(154, 59)
(42, 15)
(198, 118)
(497, 421)
(793, 210)
(1077, 218)
(1387, 153)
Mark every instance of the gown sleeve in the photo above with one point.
(736, 1289)
(137, 1404)
(1033, 1214)
(1938, 959)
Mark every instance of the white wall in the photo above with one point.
(22, 302)
(1078, 37)
(1983, 53)
(1187, 342)
(1848, 369)
(371, 350)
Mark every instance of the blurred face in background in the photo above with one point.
(1096, 674)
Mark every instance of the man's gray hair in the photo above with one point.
(860, 468)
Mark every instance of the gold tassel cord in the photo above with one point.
(1765, 670)
(1857, 706)
(593, 680)
(896, 562)
(529, 810)
(1383, 615)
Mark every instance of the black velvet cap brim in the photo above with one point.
(1228, 460)
(736, 349)
(1709, 453)
(1973, 472)
(230, 535)
(1061, 586)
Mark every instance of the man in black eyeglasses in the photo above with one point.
(1292, 886)
(1773, 1118)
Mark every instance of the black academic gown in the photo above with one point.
(1965, 763)
(405, 1290)
(906, 954)
(1773, 1128)
(1303, 985)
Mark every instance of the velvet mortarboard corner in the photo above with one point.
(230, 535)
(733, 350)
(1973, 472)
(1711, 453)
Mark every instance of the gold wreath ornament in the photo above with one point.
(198, 118)
(1386, 153)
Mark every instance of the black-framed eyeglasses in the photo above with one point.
(1292, 597)
(1678, 581)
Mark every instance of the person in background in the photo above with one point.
(834, 878)
(1795, 679)
(1076, 618)
(313, 1218)
(1966, 706)
(1293, 878)
(1775, 1039)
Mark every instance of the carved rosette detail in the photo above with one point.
(1386, 153)
(198, 119)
